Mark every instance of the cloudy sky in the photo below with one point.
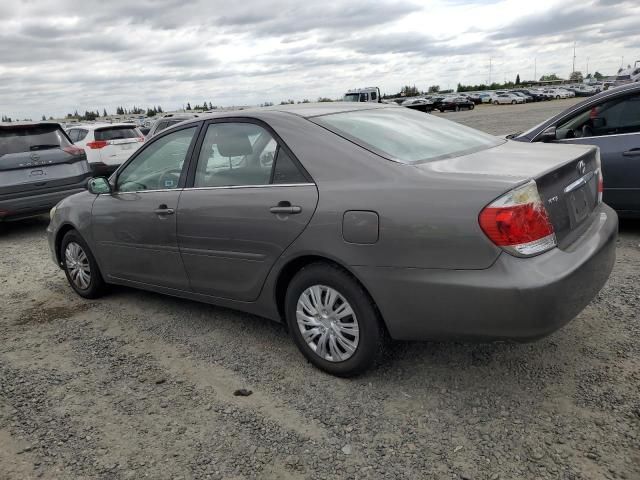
(60, 55)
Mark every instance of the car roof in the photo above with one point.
(304, 110)
(94, 126)
(28, 124)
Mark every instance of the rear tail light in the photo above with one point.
(73, 150)
(600, 176)
(140, 139)
(97, 144)
(518, 222)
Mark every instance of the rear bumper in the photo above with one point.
(515, 299)
(35, 203)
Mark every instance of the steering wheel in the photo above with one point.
(169, 179)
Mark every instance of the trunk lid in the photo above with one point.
(566, 176)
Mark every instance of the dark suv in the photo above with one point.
(39, 166)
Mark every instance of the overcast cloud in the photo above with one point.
(57, 56)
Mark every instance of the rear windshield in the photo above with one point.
(31, 139)
(405, 135)
(116, 133)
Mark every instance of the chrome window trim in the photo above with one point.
(228, 187)
(599, 136)
(269, 185)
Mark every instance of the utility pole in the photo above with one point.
(574, 58)
(587, 67)
(490, 58)
(535, 69)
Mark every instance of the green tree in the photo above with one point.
(518, 79)
(188, 106)
(43, 118)
(549, 78)
(598, 76)
(434, 89)
(576, 77)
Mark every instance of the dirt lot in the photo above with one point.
(139, 385)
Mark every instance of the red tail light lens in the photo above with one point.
(140, 139)
(73, 150)
(600, 186)
(519, 223)
(97, 144)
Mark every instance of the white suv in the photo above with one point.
(107, 145)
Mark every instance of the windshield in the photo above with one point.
(31, 138)
(351, 97)
(405, 135)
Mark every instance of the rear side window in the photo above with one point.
(406, 136)
(285, 171)
(31, 139)
(116, 133)
(82, 134)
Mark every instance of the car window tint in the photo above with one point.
(406, 135)
(621, 115)
(73, 134)
(285, 170)
(235, 154)
(116, 133)
(159, 165)
(82, 134)
(31, 138)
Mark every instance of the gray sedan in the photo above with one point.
(351, 224)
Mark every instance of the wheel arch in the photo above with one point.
(62, 231)
(293, 266)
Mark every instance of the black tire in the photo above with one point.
(471, 107)
(495, 102)
(371, 333)
(457, 108)
(513, 102)
(96, 286)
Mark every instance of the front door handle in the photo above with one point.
(634, 152)
(285, 208)
(164, 210)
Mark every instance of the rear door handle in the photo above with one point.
(634, 152)
(285, 208)
(164, 210)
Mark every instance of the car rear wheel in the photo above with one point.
(495, 102)
(81, 267)
(471, 107)
(457, 108)
(513, 102)
(332, 320)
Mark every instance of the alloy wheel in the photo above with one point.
(77, 264)
(327, 323)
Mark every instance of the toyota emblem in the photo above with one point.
(582, 167)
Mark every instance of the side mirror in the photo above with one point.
(548, 135)
(98, 185)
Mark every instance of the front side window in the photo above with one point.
(159, 165)
(406, 136)
(620, 115)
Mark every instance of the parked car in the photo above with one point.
(535, 95)
(506, 98)
(368, 94)
(107, 145)
(314, 214)
(39, 166)
(474, 97)
(611, 121)
(485, 97)
(420, 104)
(168, 121)
(455, 104)
(527, 98)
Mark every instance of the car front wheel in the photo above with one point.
(80, 266)
(332, 320)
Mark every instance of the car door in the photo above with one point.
(249, 199)
(614, 126)
(134, 227)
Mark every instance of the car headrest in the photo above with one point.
(233, 144)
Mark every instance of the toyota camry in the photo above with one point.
(351, 224)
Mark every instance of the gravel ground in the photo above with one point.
(140, 385)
